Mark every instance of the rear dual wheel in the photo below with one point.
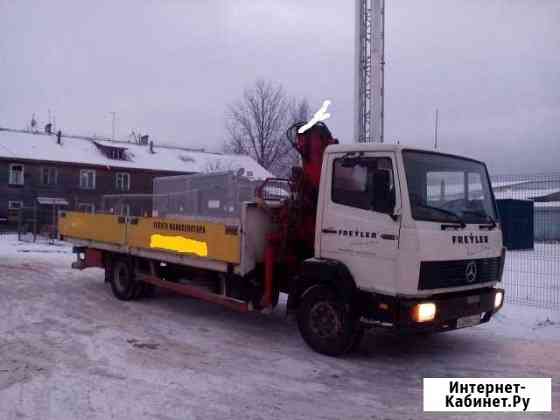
(124, 285)
(326, 323)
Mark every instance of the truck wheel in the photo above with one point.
(325, 323)
(149, 290)
(122, 281)
(143, 290)
(358, 338)
(139, 290)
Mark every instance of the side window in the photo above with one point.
(353, 181)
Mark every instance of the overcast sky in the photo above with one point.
(170, 67)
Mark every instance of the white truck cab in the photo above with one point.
(417, 231)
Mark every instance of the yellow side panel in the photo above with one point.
(214, 241)
(96, 227)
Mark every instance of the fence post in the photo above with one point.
(35, 222)
(54, 230)
(20, 223)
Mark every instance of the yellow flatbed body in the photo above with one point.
(207, 240)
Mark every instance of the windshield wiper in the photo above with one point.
(489, 219)
(457, 218)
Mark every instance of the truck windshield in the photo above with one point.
(448, 189)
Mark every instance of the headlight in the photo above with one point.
(424, 312)
(498, 299)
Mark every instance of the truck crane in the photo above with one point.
(360, 236)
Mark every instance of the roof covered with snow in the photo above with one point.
(15, 144)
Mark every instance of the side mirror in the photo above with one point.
(383, 195)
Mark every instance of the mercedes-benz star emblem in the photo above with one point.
(470, 272)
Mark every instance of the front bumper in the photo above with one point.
(396, 313)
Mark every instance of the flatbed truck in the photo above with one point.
(360, 236)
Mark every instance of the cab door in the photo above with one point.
(356, 228)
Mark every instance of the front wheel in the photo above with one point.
(325, 322)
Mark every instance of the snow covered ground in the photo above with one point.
(69, 350)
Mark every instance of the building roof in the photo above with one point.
(504, 185)
(19, 144)
(537, 195)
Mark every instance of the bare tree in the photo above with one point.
(299, 112)
(257, 124)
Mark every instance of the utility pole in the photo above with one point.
(436, 129)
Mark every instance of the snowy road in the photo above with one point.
(69, 350)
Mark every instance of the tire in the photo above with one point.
(123, 284)
(325, 322)
(144, 290)
(149, 291)
(108, 274)
(139, 290)
(358, 338)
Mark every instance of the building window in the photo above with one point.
(112, 152)
(122, 180)
(16, 174)
(87, 179)
(116, 154)
(86, 207)
(49, 176)
(15, 205)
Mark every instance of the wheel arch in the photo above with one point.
(331, 273)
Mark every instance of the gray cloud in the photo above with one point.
(170, 68)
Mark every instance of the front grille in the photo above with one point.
(440, 274)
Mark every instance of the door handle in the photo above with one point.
(328, 230)
(388, 237)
